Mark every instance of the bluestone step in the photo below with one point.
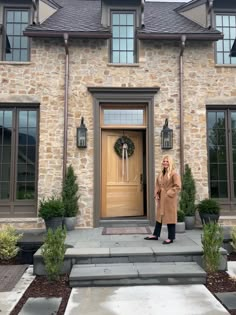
(137, 274)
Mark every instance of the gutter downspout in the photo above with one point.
(66, 88)
(181, 104)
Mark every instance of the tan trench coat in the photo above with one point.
(168, 189)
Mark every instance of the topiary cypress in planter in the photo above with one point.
(209, 210)
(70, 198)
(187, 198)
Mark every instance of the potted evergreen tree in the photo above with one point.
(70, 199)
(187, 198)
(52, 211)
(180, 226)
(209, 210)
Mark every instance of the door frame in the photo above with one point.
(102, 95)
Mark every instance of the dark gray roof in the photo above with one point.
(161, 18)
(80, 17)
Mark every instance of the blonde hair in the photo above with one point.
(170, 168)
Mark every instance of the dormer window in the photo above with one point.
(225, 23)
(16, 46)
(123, 45)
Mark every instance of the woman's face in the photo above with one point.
(165, 163)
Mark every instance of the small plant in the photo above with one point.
(180, 216)
(209, 206)
(212, 239)
(70, 193)
(8, 240)
(233, 234)
(188, 193)
(53, 252)
(51, 208)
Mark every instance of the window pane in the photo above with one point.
(219, 45)
(4, 190)
(130, 44)
(227, 45)
(123, 19)
(123, 116)
(226, 20)
(115, 44)
(25, 17)
(10, 16)
(122, 57)
(16, 42)
(32, 118)
(7, 119)
(130, 57)
(218, 20)
(213, 153)
(130, 32)
(24, 55)
(130, 19)
(16, 55)
(123, 45)
(223, 190)
(116, 31)
(122, 31)
(219, 57)
(115, 57)
(214, 189)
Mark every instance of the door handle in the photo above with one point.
(141, 182)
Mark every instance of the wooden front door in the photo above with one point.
(122, 181)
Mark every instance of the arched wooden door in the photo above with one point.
(122, 181)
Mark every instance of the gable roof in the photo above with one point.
(82, 18)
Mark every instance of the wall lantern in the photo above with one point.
(82, 135)
(166, 137)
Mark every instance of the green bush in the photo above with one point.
(70, 193)
(188, 193)
(212, 239)
(209, 206)
(233, 235)
(51, 208)
(53, 252)
(8, 240)
(180, 216)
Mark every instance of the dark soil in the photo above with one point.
(41, 287)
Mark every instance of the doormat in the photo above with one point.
(10, 275)
(126, 230)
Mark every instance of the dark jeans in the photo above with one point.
(170, 227)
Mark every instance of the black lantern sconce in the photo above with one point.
(82, 135)
(166, 137)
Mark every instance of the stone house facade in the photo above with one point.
(173, 63)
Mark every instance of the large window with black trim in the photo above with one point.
(18, 161)
(15, 44)
(225, 23)
(123, 43)
(221, 125)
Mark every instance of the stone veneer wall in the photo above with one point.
(43, 79)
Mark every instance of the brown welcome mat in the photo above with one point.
(10, 275)
(126, 230)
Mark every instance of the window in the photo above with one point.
(123, 37)
(222, 154)
(16, 46)
(227, 25)
(18, 157)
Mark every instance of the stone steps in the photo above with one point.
(136, 274)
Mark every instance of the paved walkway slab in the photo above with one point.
(41, 306)
(228, 299)
(10, 275)
(148, 300)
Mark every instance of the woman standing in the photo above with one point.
(168, 185)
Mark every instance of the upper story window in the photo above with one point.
(16, 46)
(225, 23)
(123, 37)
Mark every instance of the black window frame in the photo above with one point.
(230, 200)
(135, 55)
(4, 32)
(223, 41)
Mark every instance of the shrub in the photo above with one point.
(188, 193)
(233, 235)
(53, 252)
(180, 216)
(212, 239)
(209, 206)
(70, 193)
(8, 240)
(51, 208)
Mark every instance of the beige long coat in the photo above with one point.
(167, 189)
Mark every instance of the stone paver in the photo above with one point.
(148, 300)
(232, 269)
(41, 306)
(228, 299)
